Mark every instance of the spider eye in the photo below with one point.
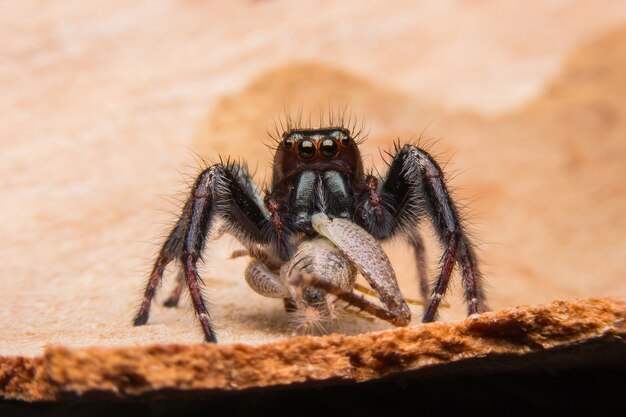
(288, 143)
(328, 148)
(306, 149)
(345, 140)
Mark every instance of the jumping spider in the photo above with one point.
(319, 224)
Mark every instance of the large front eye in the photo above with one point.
(328, 148)
(306, 149)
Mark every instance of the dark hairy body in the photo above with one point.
(320, 190)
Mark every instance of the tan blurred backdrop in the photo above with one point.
(108, 106)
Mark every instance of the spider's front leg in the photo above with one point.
(415, 187)
(226, 191)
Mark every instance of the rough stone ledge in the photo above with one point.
(174, 370)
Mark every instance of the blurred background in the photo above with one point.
(108, 108)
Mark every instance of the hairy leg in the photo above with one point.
(170, 251)
(174, 297)
(417, 244)
(415, 188)
(221, 190)
(421, 169)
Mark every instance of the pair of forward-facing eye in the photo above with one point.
(306, 148)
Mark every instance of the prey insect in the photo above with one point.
(318, 225)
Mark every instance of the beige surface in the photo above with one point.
(103, 104)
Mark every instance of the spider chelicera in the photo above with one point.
(319, 223)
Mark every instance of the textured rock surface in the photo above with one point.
(175, 369)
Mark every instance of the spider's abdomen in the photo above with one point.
(313, 192)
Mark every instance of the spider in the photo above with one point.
(320, 222)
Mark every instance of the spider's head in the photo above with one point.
(314, 313)
(324, 149)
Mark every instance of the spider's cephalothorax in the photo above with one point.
(317, 226)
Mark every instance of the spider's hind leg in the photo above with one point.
(174, 297)
(419, 252)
